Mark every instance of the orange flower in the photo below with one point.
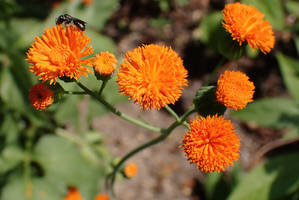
(41, 97)
(130, 170)
(245, 22)
(211, 143)
(104, 63)
(73, 194)
(59, 53)
(102, 197)
(234, 90)
(87, 2)
(152, 76)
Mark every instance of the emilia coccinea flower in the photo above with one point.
(104, 63)
(246, 23)
(130, 170)
(152, 75)
(73, 194)
(60, 52)
(102, 196)
(211, 143)
(234, 90)
(41, 96)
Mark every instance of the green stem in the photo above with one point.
(212, 75)
(74, 92)
(170, 111)
(164, 134)
(102, 87)
(27, 161)
(117, 112)
(177, 118)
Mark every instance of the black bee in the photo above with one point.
(67, 19)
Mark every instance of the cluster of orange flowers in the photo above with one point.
(153, 76)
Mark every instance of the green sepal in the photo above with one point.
(58, 91)
(67, 79)
(206, 103)
(101, 77)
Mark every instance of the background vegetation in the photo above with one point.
(43, 153)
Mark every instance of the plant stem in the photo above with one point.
(27, 161)
(212, 75)
(74, 92)
(170, 111)
(117, 112)
(164, 134)
(102, 87)
(177, 118)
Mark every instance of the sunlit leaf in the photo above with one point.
(274, 179)
(290, 71)
(271, 112)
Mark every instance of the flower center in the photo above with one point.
(59, 56)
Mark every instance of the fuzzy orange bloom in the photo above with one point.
(59, 53)
(73, 194)
(41, 96)
(211, 143)
(87, 2)
(130, 170)
(245, 22)
(234, 90)
(102, 197)
(104, 63)
(152, 75)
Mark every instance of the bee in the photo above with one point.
(67, 19)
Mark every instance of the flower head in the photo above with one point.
(60, 52)
(245, 22)
(130, 170)
(234, 90)
(104, 63)
(87, 2)
(211, 143)
(102, 196)
(73, 194)
(41, 96)
(152, 75)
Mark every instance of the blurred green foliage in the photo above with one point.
(38, 160)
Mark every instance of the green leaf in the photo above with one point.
(289, 68)
(296, 40)
(208, 26)
(100, 42)
(206, 103)
(272, 9)
(274, 179)
(64, 165)
(37, 189)
(292, 7)
(11, 156)
(67, 110)
(27, 30)
(271, 112)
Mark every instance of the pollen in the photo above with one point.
(246, 23)
(211, 143)
(152, 75)
(234, 90)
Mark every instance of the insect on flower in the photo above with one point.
(67, 19)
